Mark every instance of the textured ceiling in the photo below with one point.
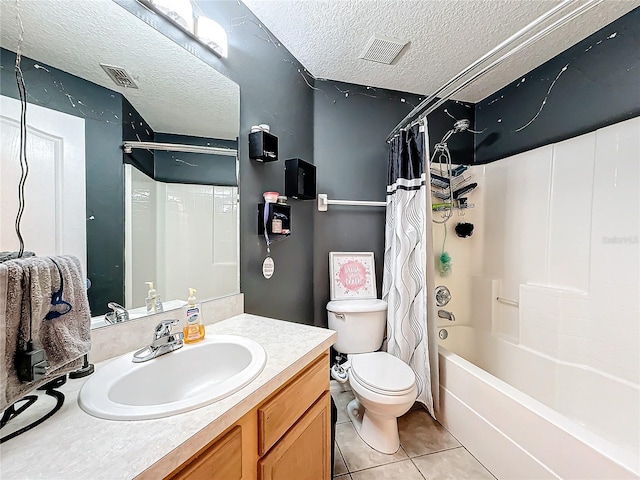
(327, 36)
(178, 93)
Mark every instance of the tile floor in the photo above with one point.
(427, 450)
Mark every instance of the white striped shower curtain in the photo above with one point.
(408, 282)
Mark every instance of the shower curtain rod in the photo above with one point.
(423, 109)
(177, 147)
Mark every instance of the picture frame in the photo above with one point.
(352, 275)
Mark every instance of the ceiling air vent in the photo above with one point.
(119, 76)
(383, 49)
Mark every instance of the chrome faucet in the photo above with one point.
(448, 315)
(117, 314)
(164, 341)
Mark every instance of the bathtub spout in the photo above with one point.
(448, 315)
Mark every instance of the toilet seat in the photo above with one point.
(382, 373)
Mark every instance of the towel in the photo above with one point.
(30, 285)
(4, 256)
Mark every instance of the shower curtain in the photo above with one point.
(409, 270)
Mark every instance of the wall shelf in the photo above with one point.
(281, 214)
(263, 146)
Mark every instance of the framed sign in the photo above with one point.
(353, 275)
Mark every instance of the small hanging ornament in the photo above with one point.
(268, 267)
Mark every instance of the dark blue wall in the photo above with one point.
(136, 129)
(273, 90)
(600, 86)
(181, 167)
(349, 137)
(351, 123)
(276, 89)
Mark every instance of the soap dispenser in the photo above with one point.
(194, 331)
(153, 302)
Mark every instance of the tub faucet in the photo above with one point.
(164, 341)
(448, 315)
(117, 314)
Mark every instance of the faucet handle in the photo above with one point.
(117, 314)
(164, 328)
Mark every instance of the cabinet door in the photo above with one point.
(281, 411)
(304, 452)
(221, 461)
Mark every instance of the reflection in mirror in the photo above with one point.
(171, 228)
(170, 217)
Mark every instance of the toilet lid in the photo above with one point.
(383, 373)
(356, 306)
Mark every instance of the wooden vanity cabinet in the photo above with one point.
(220, 461)
(286, 437)
(303, 453)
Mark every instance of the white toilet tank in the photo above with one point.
(360, 324)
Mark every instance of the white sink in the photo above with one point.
(189, 378)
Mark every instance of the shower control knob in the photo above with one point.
(443, 296)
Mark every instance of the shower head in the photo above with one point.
(461, 125)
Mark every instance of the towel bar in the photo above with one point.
(323, 202)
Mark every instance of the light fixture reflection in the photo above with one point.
(212, 35)
(206, 31)
(179, 11)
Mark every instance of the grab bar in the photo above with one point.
(323, 201)
(506, 301)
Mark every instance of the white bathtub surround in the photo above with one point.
(114, 449)
(407, 259)
(166, 224)
(557, 232)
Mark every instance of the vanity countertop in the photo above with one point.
(72, 444)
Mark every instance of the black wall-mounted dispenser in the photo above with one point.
(278, 219)
(299, 179)
(263, 146)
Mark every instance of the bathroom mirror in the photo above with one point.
(153, 215)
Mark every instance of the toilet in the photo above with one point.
(384, 386)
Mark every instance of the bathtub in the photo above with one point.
(581, 425)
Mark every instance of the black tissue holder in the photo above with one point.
(299, 179)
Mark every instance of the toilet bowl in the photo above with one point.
(385, 389)
(384, 386)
